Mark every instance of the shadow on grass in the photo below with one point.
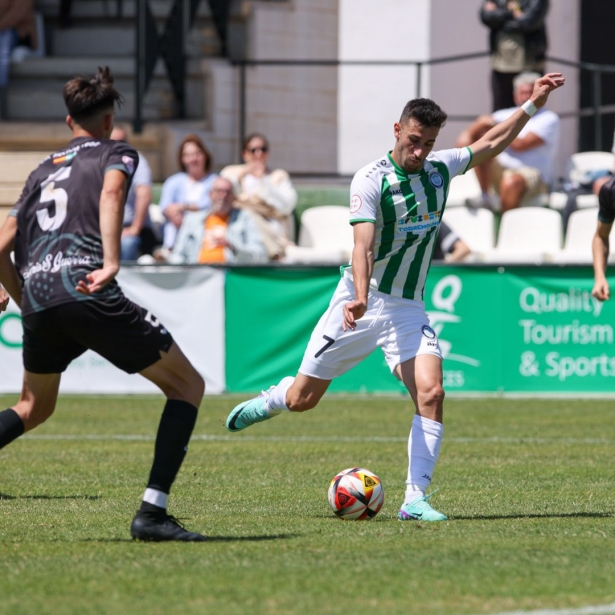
(576, 515)
(209, 539)
(6, 496)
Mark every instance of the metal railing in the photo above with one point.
(170, 46)
(597, 109)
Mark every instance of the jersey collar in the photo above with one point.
(401, 171)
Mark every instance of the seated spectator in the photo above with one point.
(188, 190)
(17, 27)
(137, 235)
(525, 168)
(269, 194)
(449, 246)
(221, 234)
(591, 184)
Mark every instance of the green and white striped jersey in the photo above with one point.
(406, 210)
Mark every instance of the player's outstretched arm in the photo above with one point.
(8, 273)
(600, 252)
(362, 267)
(503, 134)
(112, 199)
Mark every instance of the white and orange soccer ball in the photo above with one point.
(356, 494)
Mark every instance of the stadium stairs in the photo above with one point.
(97, 36)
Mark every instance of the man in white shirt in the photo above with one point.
(525, 168)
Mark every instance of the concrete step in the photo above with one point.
(15, 167)
(97, 9)
(119, 39)
(23, 145)
(36, 86)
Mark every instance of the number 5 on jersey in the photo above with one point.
(49, 192)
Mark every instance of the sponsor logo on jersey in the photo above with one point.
(436, 180)
(130, 164)
(64, 158)
(396, 192)
(428, 332)
(420, 223)
(355, 203)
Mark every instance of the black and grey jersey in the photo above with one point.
(606, 201)
(58, 237)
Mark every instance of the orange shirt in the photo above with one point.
(215, 229)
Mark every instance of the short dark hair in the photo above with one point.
(425, 111)
(192, 138)
(86, 96)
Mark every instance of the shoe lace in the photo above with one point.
(176, 521)
(429, 496)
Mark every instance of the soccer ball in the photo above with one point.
(356, 494)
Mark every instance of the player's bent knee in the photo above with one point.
(432, 395)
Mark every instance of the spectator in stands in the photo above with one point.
(591, 184)
(518, 43)
(64, 14)
(269, 194)
(525, 168)
(449, 246)
(17, 27)
(137, 234)
(188, 190)
(600, 244)
(221, 234)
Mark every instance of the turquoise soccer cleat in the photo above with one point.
(420, 510)
(250, 412)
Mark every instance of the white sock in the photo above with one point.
(423, 450)
(155, 497)
(277, 396)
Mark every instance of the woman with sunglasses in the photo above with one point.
(269, 194)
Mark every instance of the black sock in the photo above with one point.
(174, 433)
(11, 426)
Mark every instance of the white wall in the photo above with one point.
(463, 88)
(370, 99)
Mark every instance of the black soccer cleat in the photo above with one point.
(152, 527)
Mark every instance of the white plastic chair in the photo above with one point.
(325, 236)
(463, 187)
(579, 234)
(474, 226)
(527, 235)
(583, 164)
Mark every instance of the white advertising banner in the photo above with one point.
(188, 301)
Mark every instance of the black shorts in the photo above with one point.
(121, 331)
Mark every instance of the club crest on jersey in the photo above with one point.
(436, 180)
(418, 224)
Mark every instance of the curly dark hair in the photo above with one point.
(425, 111)
(86, 96)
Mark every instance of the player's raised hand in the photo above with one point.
(601, 290)
(96, 280)
(353, 310)
(544, 86)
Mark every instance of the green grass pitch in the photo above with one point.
(529, 486)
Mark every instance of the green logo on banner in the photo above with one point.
(5, 339)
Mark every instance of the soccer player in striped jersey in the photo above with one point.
(396, 206)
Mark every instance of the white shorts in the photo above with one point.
(399, 326)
